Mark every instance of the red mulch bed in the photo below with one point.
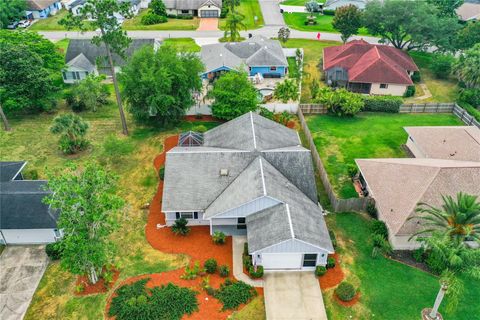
(348, 303)
(204, 118)
(333, 276)
(98, 287)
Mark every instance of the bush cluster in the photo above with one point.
(233, 294)
(388, 104)
(470, 109)
(161, 173)
(152, 18)
(219, 237)
(330, 263)
(345, 291)
(256, 274)
(180, 16)
(180, 227)
(441, 65)
(54, 250)
(416, 77)
(224, 271)
(136, 301)
(410, 92)
(329, 12)
(333, 237)
(320, 271)
(379, 227)
(372, 210)
(210, 266)
(470, 96)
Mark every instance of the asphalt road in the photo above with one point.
(271, 13)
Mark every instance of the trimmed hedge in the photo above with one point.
(234, 294)
(345, 291)
(320, 271)
(410, 92)
(388, 104)
(329, 12)
(330, 263)
(256, 274)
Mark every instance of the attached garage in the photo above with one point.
(28, 236)
(272, 261)
(209, 13)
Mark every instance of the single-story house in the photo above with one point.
(83, 58)
(196, 8)
(24, 218)
(250, 176)
(368, 68)
(447, 161)
(41, 9)
(334, 4)
(469, 10)
(135, 5)
(256, 55)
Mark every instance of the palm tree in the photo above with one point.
(458, 219)
(233, 25)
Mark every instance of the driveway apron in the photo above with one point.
(271, 13)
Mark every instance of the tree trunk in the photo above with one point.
(6, 125)
(92, 276)
(438, 301)
(117, 91)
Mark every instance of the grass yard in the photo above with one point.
(388, 289)
(250, 9)
(313, 51)
(131, 159)
(183, 44)
(297, 2)
(296, 20)
(443, 90)
(368, 135)
(171, 24)
(50, 23)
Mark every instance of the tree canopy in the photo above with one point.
(446, 8)
(467, 69)
(88, 205)
(233, 25)
(234, 95)
(10, 11)
(468, 36)
(347, 20)
(158, 85)
(410, 24)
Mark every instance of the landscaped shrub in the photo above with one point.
(256, 274)
(152, 18)
(247, 262)
(286, 90)
(224, 271)
(333, 238)
(379, 227)
(416, 77)
(219, 237)
(210, 266)
(340, 101)
(372, 210)
(180, 227)
(54, 250)
(470, 96)
(435, 262)
(345, 291)
(352, 170)
(264, 112)
(234, 294)
(72, 130)
(329, 12)
(192, 272)
(471, 110)
(136, 301)
(75, 104)
(410, 92)
(330, 263)
(245, 249)
(441, 65)
(419, 254)
(161, 173)
(320, 271)
(388, 104)
(200, 128)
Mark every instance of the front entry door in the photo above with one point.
(309, 260)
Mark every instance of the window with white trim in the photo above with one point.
(187, 215)
(383, 85)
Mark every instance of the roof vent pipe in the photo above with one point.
(223, 172)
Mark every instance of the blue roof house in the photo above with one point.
(257, 55)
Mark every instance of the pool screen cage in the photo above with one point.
(190, 139)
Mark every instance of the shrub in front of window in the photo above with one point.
(180, 227)
(345, 291)
(320, 271)
(224, 271)
(219, 237)
(210, 266)
(330, 263)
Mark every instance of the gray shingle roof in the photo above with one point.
(92, 52)
(256, 51)
(37, 5)
(21, 205)
(9, 169)
(81, 62)
(190, 4)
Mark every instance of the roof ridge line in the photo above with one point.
(262, 175)
(290, 221)
(253, 131)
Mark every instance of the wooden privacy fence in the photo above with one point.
(313, 108)
(468, 119)
(339, 205)
(427, 108)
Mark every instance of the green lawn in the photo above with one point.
(250, 9)
(313, 51)
(297, 2)
(50, 23)
(443, 90)
(296, 20)
(389, 290)
(183, 44)
(368, 135)
(171, 24)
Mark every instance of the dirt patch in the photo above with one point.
(333, 276)
(405, 257)
(348, 303)
(99, 287)
(203, 118)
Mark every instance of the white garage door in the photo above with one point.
(28, 236)
(281, 260)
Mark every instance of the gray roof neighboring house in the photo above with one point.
(334, 4)
(254, 52)
(258, 158)
(38, 5)
(21, 204)
(397, 185)
(94, 53)
(443, 142)
(190, 4)
(469, 10)
(81, 62)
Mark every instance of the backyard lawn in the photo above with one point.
(313, 51)
(183, 44)
(296, 20)
(368, 135)
(171, 24)
(388, 289)
(250, 9)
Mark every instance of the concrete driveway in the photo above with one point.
(271, 13)
(294, 296)
(21, 268)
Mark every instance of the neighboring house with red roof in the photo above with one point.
(368, 68)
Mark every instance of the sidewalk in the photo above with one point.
(237, 245)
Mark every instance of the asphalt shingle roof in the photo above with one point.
(9, 169)
(190, 4)
(37, 5)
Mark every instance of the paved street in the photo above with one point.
(271, 13)
(21, 269)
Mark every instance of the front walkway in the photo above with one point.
(293, 295)
(237, 248)
(21, 268)
(208, 24)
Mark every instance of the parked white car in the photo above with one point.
(24, 24)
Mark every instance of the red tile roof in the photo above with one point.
(371, 63)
